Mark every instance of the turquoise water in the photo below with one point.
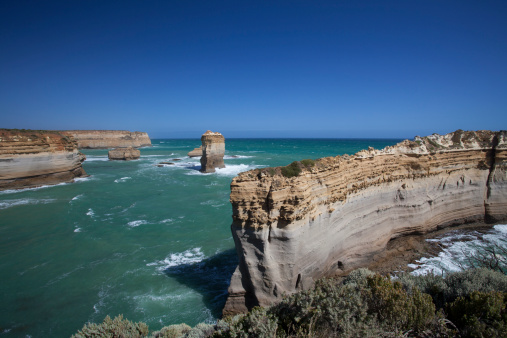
(151, 243)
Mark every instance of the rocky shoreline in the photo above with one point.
(402, 251)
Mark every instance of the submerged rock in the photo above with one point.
(124, 154)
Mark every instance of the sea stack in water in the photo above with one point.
(124, 154)
(30, 158)
(312, 219)
(213, 150)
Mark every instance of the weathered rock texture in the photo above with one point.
(30, 158)
(340, 212)
(197, 152)
(213, 150)
(124, 154)
(105, 139)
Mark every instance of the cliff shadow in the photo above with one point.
(210, 277)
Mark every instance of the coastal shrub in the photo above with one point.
(456, 284)
(328, 309)
(480, 314)
(117, 327)
(256, 323)
(201, 330)
(291, 170)
(172, 331)
(308, 163)
(357, 278)
(396, 309)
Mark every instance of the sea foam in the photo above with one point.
(458, 247)
(191, 256)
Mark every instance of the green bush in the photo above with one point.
(117, 327)
(308, 163)
(480, 314)
(256, 323)
(456, 284)
(394, 308)
(291, 170)
(172, 331)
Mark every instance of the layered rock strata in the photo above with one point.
(30, 158)
(340, 212)
(105, 139)
(124, 154)
(213, 150)
(197, 152)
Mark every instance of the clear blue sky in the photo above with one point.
(254, 68)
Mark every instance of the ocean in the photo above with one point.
(152, 243)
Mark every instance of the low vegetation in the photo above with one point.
(470, 303)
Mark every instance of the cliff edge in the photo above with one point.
(312, 219)
(30, 158)
(105, 139)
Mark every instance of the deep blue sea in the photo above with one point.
(151, 243)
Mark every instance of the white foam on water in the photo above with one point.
(457, 248)
(233, 157)
(96, 158)
(137, 223)
(75, 198)
(77, 230)
(191, 256)
(123, 179)
(90, 212)
(168, 220)
(233, 170)
(23, 201)
(12, 191)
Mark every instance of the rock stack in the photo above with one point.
(213, 150)
(124, 154)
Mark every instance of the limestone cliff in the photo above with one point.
(31, 158)
(340, 212)
(104, 139)
(124, 154)
(213, 150)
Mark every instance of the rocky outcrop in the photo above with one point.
(339, 213)
(213, 150)
(30, 158)
(105, 139)
(197, 152)
(124, 154)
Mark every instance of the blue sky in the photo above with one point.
(254, 68)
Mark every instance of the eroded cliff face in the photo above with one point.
(340, 212)
(104, 139)
(31, 158)
(213, 150)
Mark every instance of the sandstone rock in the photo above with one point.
(30, 158)
(125, 154)
(105, 139)
(213, 150)
(197, 152)
(340, 213)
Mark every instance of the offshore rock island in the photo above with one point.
(104, 139)
(213, 150)
(30, 158)
(311, 219)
